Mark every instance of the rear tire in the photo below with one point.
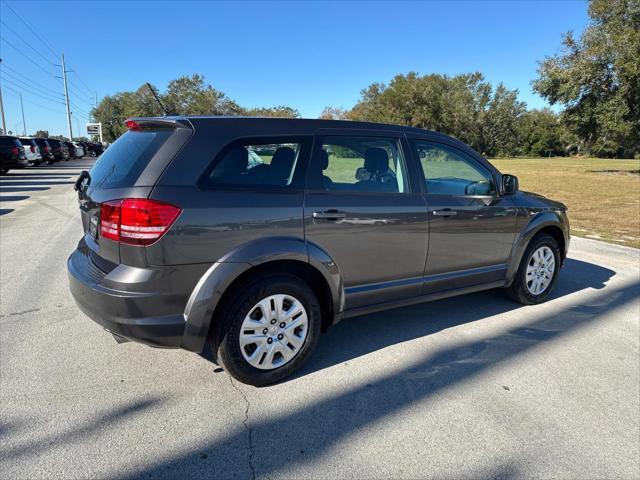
(291, 338)
(3, 171)
(537, 272)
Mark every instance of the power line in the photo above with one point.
(26, 56)
(77, 109)
(38, 89)
(32, 102)
(90, 90)
(46, 44)
(26, 79)
(22, 87)
(26, 43)
(79, 95)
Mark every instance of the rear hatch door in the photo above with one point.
(129, 168)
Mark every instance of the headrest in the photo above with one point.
(324, 159)
(283, 159)
(376, 160)
(236, 161)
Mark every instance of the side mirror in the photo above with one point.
(510, 184)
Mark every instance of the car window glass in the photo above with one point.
(451, 172)
(362, 164)
(268, 164)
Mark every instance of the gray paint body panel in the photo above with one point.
(389, 250)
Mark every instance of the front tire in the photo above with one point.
(269, 330)
(537, 272)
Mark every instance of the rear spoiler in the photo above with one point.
(152, 123)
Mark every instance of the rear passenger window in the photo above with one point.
(257, 164)
(362, 164)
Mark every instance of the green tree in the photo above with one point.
(334, 113)
(541, 134)
(278, 112)
(596, 78)
(189, 95)
(464, 106)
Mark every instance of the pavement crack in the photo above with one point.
(24, 312)
(245, 422)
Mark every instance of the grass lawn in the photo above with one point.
(603, 196)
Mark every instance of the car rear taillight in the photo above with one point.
(136, 221)
(15, 151)
(33, 149)
(46, 149)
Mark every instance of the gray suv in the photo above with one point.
(254, 235)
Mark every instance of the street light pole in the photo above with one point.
(4, 122)
(66, 96)
(24, 124)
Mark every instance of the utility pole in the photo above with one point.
(66, 96)
(24, 124)
(4, 122)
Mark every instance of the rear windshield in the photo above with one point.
(7, 141)
(25, 141)
(123, 162)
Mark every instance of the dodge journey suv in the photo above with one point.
(254, 235)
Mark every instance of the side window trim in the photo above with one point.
(413, 141)
(314, 183)
(299, 171)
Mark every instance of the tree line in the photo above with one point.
(594, 83)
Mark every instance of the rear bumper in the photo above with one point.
(10, 164)
(133, 315)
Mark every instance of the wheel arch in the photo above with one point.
(548, 222)
(275, 255)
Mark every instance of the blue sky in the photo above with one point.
(303, 54)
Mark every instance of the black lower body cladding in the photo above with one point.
(145, 305)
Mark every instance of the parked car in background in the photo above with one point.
(31, 150)
(74, 150)
(79, 150)
(45, 150)
(95, 148)
(11, 154)
(85, 148)
(189, 240)
(59, 149)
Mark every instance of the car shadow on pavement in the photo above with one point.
(359, 336)
(4, 189)
(28, 182)
(277, 445)
(83, 432)
(13, 198)
(4, 211)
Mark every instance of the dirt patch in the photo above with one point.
(616, 172)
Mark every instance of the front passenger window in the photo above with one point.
(451, 172)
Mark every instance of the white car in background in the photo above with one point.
(79, 153)
(31, 150)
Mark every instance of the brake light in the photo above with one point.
(15, 151)
(136, 221)
(33, 149)
(132, 125)
(46, 149)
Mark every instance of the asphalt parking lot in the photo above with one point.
(470, 387)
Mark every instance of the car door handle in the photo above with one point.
(447, 212)
(329, 215)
